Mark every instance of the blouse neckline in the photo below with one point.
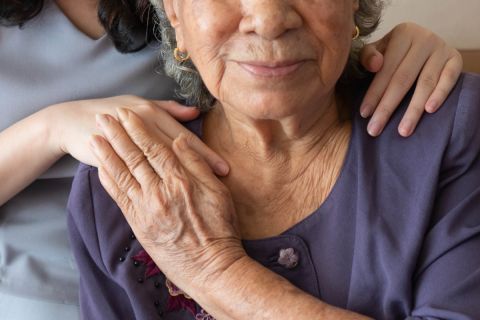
(68, 21)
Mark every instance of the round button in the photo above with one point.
(288, 258)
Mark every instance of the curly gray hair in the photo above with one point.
(191, 86)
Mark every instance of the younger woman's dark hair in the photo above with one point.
(129, 23)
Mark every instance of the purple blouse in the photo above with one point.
(397, 238)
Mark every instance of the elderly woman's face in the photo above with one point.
(266, 57)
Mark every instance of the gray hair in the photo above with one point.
(191, 86)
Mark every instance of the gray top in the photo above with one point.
(46, 62)
(398, 237)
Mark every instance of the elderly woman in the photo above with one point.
(316, 220)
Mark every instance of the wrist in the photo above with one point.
(50, 130)
(222, 267)
(219, 291)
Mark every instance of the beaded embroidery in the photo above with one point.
(178, 299)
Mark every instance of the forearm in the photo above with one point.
(247, 290)
(26, 152)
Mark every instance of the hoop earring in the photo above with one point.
(180, 56)
(357, 33)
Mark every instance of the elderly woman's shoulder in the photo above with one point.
(461, 112)
(459, 116)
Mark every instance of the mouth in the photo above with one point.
(271, 69)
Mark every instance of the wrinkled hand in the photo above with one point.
(74, 124)
(177, 208)
(406, 53)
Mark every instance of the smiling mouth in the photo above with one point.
(271, 70)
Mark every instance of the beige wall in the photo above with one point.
(457, 21)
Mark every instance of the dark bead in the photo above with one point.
(132, 236)
(156, 303)
(157, 284)
(126, 249)
(136, 263)
(121, 259)
(140, 280)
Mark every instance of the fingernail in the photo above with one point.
(374, 128)
(102, 120)
(364, 111)
(221, 169)
(122, 114)
(431, 106)
(405, 129)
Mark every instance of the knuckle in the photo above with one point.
(165, 159)
(414, 109)
(374, 94)
(123, 179)
(428, 81)
(431, 39)
(146, 107)
(159, 203)
(450, 75)
(190, 138)
(134, 160)
(109, 158)
(441, 92)
(383, 111)
(456, 54)
(404, 79)
(403, 27)
(155, 150)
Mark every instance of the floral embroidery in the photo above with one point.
(203, 315)
(144, 258)
(178, 299)
(174, 290)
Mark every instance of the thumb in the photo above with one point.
(177, 110)
(193, 162)
(371, 58)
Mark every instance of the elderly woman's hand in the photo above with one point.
(176, 206)
(406, 53)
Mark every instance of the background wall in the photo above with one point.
(457, 21)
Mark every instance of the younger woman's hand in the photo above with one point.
(409, 52)
(73, 123)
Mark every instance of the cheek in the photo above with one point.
(331, 30)
(208, 27)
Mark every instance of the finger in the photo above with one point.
(172, 129)
(127, 151)
(122, 200)
(115, 167)
(177, 110)
(155, 152)
(193, 162)
(370, 58)
(426, 83)
(393, 56)
(401, 82)
(448, 79)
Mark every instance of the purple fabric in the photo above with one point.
(397, 238)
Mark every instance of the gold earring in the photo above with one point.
(357, 33)
(180, 56)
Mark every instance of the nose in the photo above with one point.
(269, 18)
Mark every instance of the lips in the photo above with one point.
(271, 69)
